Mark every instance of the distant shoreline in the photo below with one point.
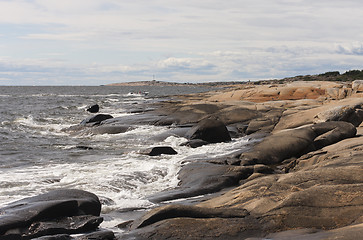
(162, 83)
(328, 76)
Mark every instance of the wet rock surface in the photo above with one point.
(65, 211)
(157, 151)
(96, 120)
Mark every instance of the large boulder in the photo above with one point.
(357, 86)
(332, 132)
(296, 142)
(209, 130)
(347, 113)
(65, 211)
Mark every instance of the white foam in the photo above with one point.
(127, 179)
(45, 127)
(82, 107)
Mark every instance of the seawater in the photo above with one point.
(37, 156)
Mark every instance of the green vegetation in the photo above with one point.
(350, 75)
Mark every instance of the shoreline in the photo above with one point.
(273, 110)
(304, 173)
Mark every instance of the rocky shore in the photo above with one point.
(304, 180)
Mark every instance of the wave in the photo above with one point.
(126, 179)
(42, 126)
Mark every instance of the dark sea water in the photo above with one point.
(36, 155)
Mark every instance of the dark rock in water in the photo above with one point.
(194, 143)
(97, 119)
(65, 211)
(94, 108)
(135, 119)
(157, 151)
(110, 129)
(84, 147)
(209, 130)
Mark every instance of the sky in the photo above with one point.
(96, 42)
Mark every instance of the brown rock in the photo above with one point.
(296, 142)
(357, 86)
(185, 211)
(320, 193)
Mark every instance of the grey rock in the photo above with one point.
(209, 130)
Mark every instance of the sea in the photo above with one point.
(37, 155)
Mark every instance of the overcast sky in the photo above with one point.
(94, 42)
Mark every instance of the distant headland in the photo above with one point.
(350, 75)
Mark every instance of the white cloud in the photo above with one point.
(181, 39)
(184, 63)
(355, 48)
(61, 36)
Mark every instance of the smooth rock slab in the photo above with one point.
(202, 178)
(98, 235)
(56, 212)
(177, 211)
(296, 142)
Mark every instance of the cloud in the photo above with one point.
(185, 64)
(61, 36)
(112, 40)
(350, 49)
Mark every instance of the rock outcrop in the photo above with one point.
(303, 181)
(296, 142)
(64, 211)
(322, 190)
(357, 86)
